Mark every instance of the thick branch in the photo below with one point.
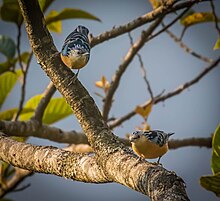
(50, 160)
(81, 167)
(36, 129)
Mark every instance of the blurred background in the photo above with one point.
(193, 113)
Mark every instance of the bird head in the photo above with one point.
(135, 136)
(82, 29)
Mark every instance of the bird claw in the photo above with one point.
(156, 163)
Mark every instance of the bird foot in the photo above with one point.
(72, 80)
(158, 164)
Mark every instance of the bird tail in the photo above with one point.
(169, 134)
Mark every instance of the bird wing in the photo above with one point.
(76, 41)
(156, 136)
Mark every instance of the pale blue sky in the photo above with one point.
(193, 113)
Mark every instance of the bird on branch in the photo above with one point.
(150, 144)
(75, 52)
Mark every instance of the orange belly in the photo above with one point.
(149, 150)
(74, 62)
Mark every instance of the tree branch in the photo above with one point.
(14, 181)
(123, 66)
(162, 98)
(83, 167)
(187, 49)
(215, 16)
(51, 160)
(166, 8)
(36, 129)
(24, 71)
(143, 70)
(47, 95)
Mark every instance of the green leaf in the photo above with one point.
(25, 57)
(44, 4)
(211, 183)
(215, 163)
(9, 114)
(10, 12)
(196, 18)
(5, 66)
(217, 45)
(7, 82)
(54, 26)
(56, 110)
(69, 13)
(7, 46)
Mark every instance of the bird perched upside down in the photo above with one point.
(150, 144)
(75, 52)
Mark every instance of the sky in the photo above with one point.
(193, 113)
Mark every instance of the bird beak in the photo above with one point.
(86, 53)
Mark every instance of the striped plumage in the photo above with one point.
(75, 52)
(150, 144)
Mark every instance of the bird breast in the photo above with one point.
(147, 149)
(74, 60)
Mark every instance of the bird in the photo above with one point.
(150, 144)
(75, 51)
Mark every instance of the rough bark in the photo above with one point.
(51, 160)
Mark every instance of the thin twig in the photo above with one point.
(183, 32)
(187, 49)
(18, 48)
(144, 73)
(171, 23)
(148, 17)
(145, 36)
(177, 91)
(24, 71)
(23, 87)
(215, 16)
(47, 95)
(21, 188)
(196, 142)
(189, 83)
(14, 181)
(126, 117)
(123, 66)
